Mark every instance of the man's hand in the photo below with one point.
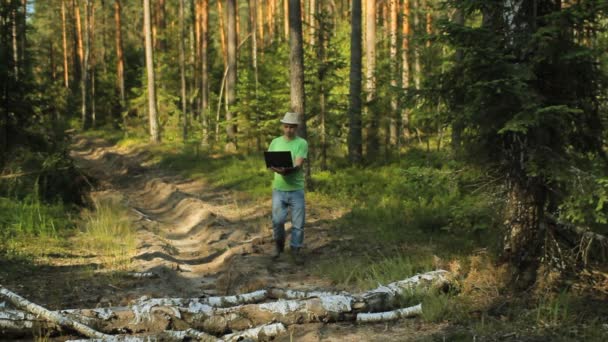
(283, 170)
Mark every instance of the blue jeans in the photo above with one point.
(281, 201)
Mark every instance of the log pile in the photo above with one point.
(257, 315)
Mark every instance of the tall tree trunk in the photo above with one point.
(296, 62)
(66, 73)
(405, 65)
(417, 65)
(370, 80)
(85, 113)
(231, 76)
(152, 111)
(221, 18)
(260, 25)
(93, 59)
(78, 38)
(253, 10)
(120, 61)
(321, 73)
(394, 67)
(311, 20)
(15, 37)
(205, 113)
(286, 18)
(355, 150)
(23, 33)
(182, 69)
(457, 126)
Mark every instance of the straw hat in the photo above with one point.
(290, 118)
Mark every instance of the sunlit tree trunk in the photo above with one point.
(182, 70)
(231, 76)
(286, 18)
(405, 65)
(152, 111)
(370, 79)
(355, 150)
(323, 34)
(220, 15)
(66, 74)
(205, 113)
(312, 9)
(260, 25)
(78, 38)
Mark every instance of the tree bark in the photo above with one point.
(152, 112)
(394, 67)
(355, 150)
(221, 18)
(457, 126)
(296, 62)
(417, 62)
(66, 74)
(182, 71)
(405, 71)
(84, 79)
(373, 140)
(120, 62)
(205, 112)
(231, 79)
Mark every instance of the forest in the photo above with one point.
(456, 178)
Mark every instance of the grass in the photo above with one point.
(107, 232)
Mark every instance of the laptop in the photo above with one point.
(278, 159)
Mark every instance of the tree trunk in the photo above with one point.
(120, 62)
(286, 18)
(253, 10)
(457, 126)
(231, 76)
(417, 62)
(152, 112)
(296, 62)
(93, 59)
(355, 150)
(394, 67)
(373, 140)
(221, 18)
(182, 70)
(15, 38)
(405, 71)
(205, 112)
(78, 37)
(84, 79)
(66, 74)
(311, 20)
(323, 34)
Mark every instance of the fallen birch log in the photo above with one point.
(54, 317)
(264, 333)
(389, 315)
(221, 315)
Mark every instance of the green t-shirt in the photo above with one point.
(299, 149)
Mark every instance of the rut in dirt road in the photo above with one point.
(196, 238)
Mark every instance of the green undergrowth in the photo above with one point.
(107, 232)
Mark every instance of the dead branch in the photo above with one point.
(389, 315)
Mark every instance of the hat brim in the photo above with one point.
(289, 122)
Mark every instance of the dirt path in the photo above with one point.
(201, 240)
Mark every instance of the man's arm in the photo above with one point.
(287, 170)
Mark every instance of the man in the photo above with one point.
(288, 189)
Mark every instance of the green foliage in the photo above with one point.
(529, 98)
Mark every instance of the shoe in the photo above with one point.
(278, 248)
(296, 256)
